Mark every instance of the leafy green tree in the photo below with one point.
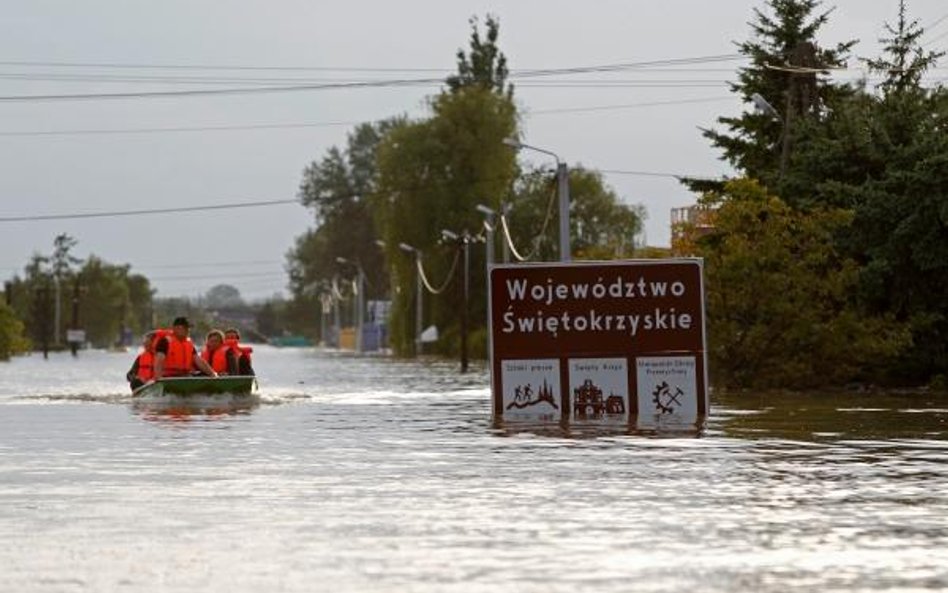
(779, 303)
(103, 301)
(223, 296)
(140, 296)
(12, 340)
(432, 175)
(484, 65)
(337, 189)
(601, 226)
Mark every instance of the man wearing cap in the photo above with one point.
(176, 356)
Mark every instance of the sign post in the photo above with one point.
(612, 343)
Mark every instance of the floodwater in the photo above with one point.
(364, 474)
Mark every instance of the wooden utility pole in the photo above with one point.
(800, 94)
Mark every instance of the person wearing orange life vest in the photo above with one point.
(221, 358)
(232, 340)
(175, 354)
(143, 369)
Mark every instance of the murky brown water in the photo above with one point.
(373, 475)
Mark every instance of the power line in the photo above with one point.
(210, 264)
(626, 106)
(179, 129)
(217, 276)
(213, 92)
(284, 126)
(337, 86)
(33, 218)
(652, 174)
(357, 85)
(283, 68)
(934, 39)
(937, 22)
(178, 79)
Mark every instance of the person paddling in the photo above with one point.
(175, 354)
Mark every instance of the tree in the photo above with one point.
(601, 227)
(883, 155)
(779, 305)
(223, 296)
(103, 301)
(485, 66)
(12, 340)
(433, 173)
(338, 190)
(786, 69)
(140, 296)
(904, 61)
(62, 259)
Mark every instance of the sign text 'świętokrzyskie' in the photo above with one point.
(615, 343)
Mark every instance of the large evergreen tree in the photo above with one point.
(901, 224)
(786, 70)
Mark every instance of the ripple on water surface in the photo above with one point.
(359, 474)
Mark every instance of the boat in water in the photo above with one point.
(198, 393)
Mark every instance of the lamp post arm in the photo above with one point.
(541, 150)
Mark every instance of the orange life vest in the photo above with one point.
(180, 357)
(217, 359)
(158, 334)
(146, 366)
(238, 349)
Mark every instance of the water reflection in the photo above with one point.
(832, 416)
(189, 410)
(580, 430)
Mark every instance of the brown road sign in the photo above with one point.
(620, 341)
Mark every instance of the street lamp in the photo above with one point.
(562, 176)
(360, 299)
(463, 243)
(418, 290)
(763, 106)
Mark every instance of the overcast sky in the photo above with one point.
(188, 253)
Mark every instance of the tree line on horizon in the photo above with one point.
(113, 305)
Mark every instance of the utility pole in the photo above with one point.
(466, 241)
(41, 313)
(463, 242)
(562, 178)
(336, 325)
(490, 225)
(419, 288)
(358, 300)
(801, 88)
(562, 175)
(73, 345)
(505, 210)
(57, 320)
(360, 312)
